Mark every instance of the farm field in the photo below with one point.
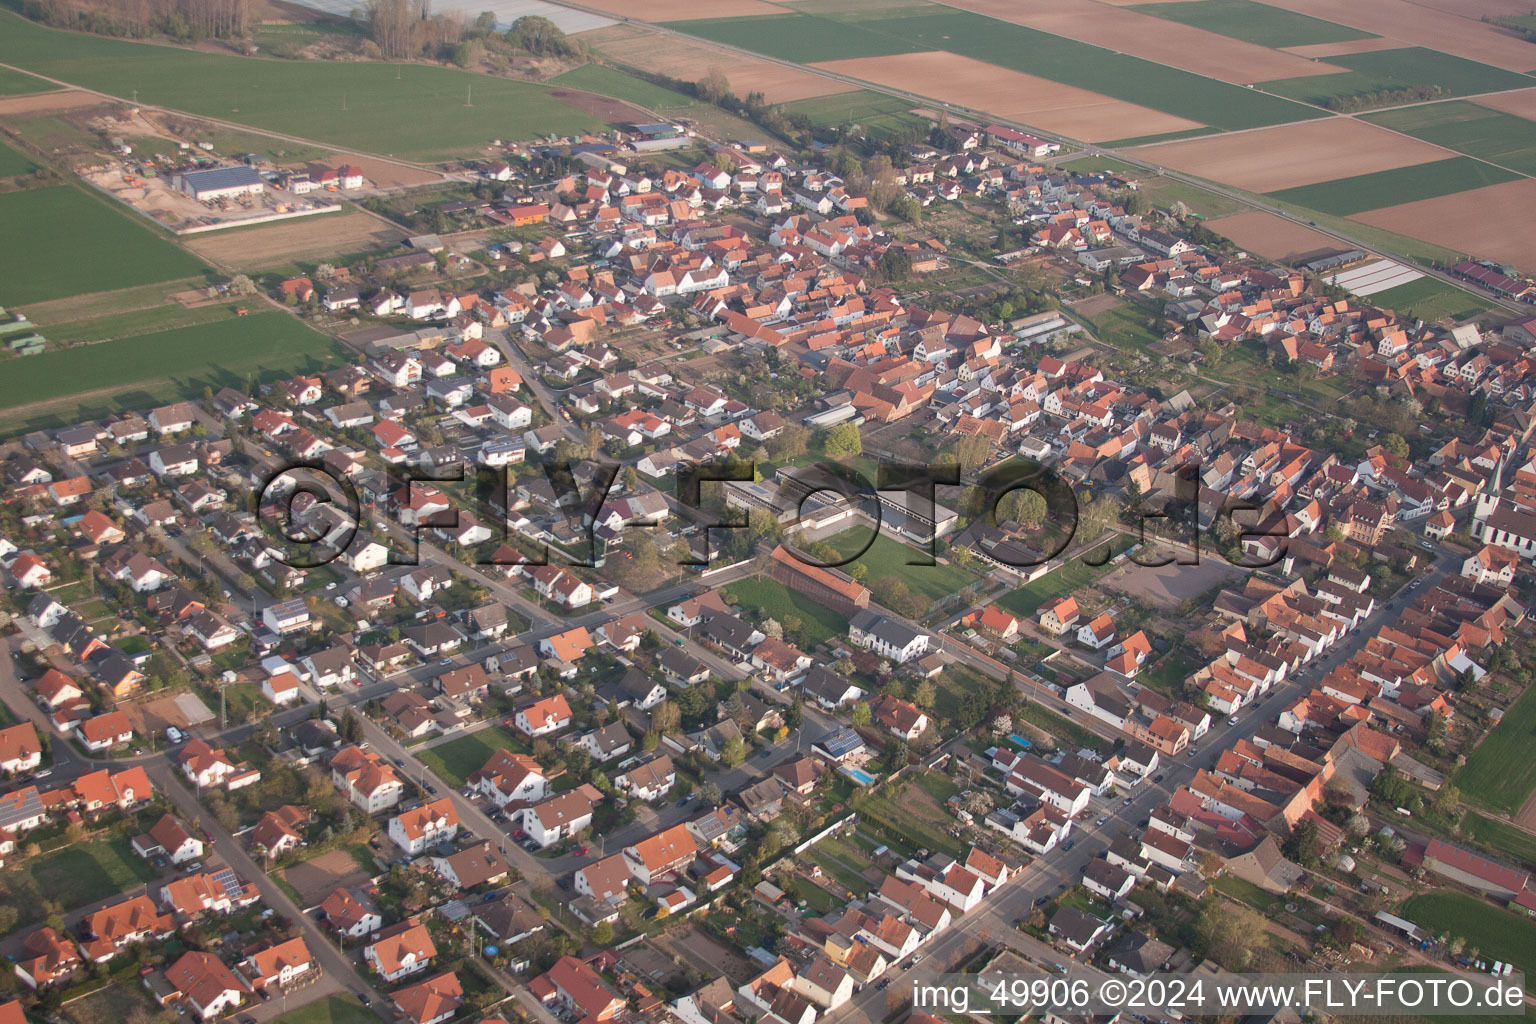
(17, 83)
(1429, 299)
(458, 759)
(818, 623)
(685, 59)
(1254, 22)
(1005, 44)
(1159, 40)
(1264, 161)
(14, 162)
(1063, 109)
(1497, 934)
(1521, 102)
(1348, 196)
(1271, 236)
(1398, 69)
(411, 110)
(1419, 24)
(67, 385)
(1469, 128)
(662, 10)
(1461, 222)
(613, 82)
(878, 113)
(62, 241)
(1497, 774)
(1506, 841)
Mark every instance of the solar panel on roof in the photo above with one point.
(226, 879)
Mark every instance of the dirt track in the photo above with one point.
(1062, 109)
(1289, 155)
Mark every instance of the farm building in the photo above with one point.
(219, 182)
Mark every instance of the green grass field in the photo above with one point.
(608, 81)
(330, 1010)
(818, 623)
(1254, 22)
(1430, 299)
(1492, 135)
(1397, 69)
(62, 241)
(887, 557)
(1505, 841)
(458, 759)
(877, 112)
(14, 162)
(1497, 934)
(1062, 580)
(1343, 197)
(16, 83)
(807, 39)
(79, 873)
(412, 111)
(1500, 773)
(140, 372)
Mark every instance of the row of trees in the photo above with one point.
(180, 19)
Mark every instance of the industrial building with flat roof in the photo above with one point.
(220, 182)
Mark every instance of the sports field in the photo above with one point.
(1006, 45)
(878, 113)
(1254, 22)
(14, 162)
(411, 110)
(1382, 70)
(61, 241)
(1347, 196)
(1504, 139)
(66, 385)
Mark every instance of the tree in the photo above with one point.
(1394, 444)
(540, 36)
(667, 717)
(896, 754)
(1302, 844)
(861, 714)
(241, 286)
(709, 794)
(924, 695)
(733, 752)
(602, 934)
(843, 442)
(714, 86)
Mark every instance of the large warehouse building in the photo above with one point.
(219, 182)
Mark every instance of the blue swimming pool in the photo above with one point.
(858, 775)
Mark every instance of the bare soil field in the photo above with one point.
(1347, 46)
(1271, 236)
(683, 10)
(305, 239)
(1288, 155)
(1489, 223)
(1521, 102)
(40, 102)
(1093, 305)
(1064, 109)
(1419, 25)
(1168, 586)
(1526, 818)
(604, 107)
(688, 59)
(316, 879)
(1155, 39)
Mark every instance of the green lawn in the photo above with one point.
(16, 83)
(1343, 197)
(1064, 579)
(878, 113)
(1430, 299)
(1254, 22)
(14, 162)
(1246, 892)
(330, 1010)
(1398, 69)
(1067, 732)
(410, 110)
(1466, 127)
(61, 242)
(806, 38)
(1501, 773)
(458, 759)
(78, 874)
(622, 85)
(136, 373)
(818, 623)
(1170, 671)
(886, 557)
(1497, 934)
